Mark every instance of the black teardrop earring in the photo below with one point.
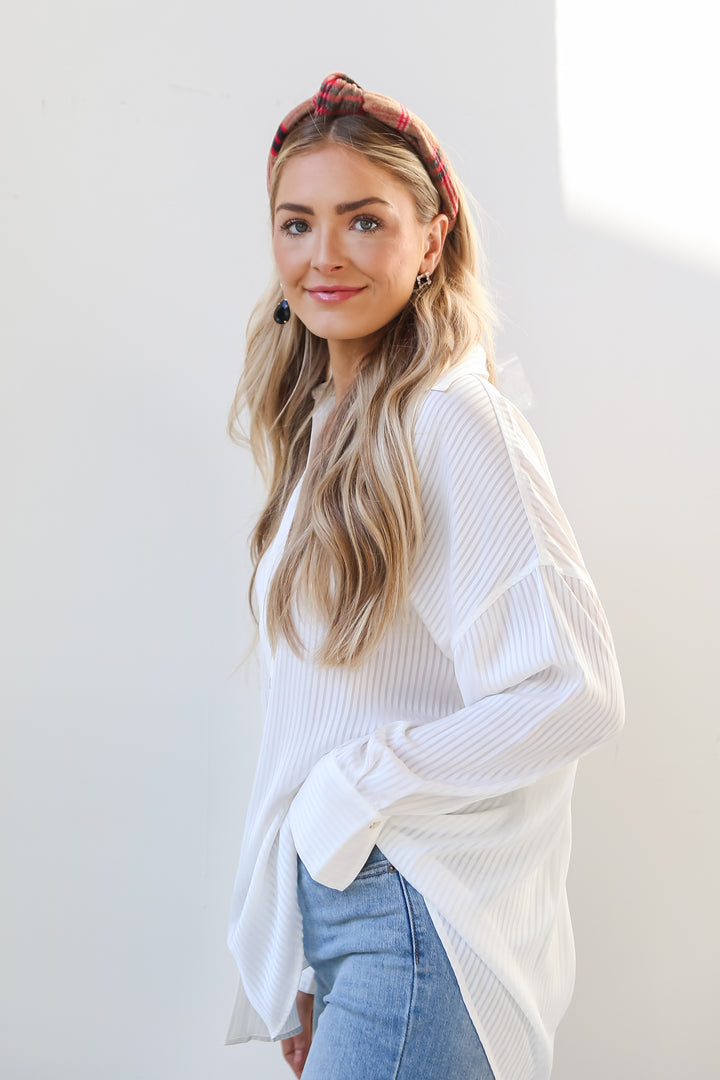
(281, 314)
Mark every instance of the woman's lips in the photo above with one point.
(333, 294)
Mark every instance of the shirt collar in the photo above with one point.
(473, 363)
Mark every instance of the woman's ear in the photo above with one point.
(437, 230)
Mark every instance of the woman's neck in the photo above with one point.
(345, 359)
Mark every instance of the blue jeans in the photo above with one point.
(387, 1004)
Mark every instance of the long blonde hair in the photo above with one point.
(358, 527)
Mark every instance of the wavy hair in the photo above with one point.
(358, 526)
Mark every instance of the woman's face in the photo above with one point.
(348, 245)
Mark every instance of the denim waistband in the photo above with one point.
(375, 856)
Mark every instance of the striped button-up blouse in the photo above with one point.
(453, 746)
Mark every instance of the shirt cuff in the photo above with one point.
(307, 981)
(333, 826)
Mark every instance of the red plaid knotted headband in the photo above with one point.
(340, 96)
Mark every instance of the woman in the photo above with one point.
(434, 656)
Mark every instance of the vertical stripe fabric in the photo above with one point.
(453, 746)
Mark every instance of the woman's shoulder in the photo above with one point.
(478, 456)
(462, 406)
(468, 430)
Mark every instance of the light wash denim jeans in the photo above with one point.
(387, 1004)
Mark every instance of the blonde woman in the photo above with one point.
(434, 656)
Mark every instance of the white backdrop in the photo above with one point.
(134, 241)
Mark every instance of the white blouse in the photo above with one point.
(453, 746)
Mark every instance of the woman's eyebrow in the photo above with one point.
(348, 207)
(341, 208)
(296, 208)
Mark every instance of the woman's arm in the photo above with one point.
(539, 675)
(502, 590)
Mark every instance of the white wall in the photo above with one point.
(133, 244)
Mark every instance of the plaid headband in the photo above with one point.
(339, 95)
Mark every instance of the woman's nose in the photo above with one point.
(327, 252)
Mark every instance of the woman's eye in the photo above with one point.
(295, 227)
(367, 224)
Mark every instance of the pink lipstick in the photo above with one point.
(329, 294)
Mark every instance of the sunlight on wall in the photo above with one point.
(638, 105)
